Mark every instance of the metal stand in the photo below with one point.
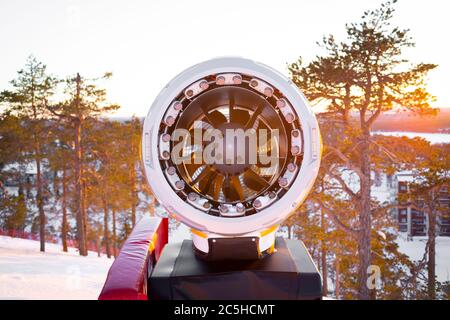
(289, 273)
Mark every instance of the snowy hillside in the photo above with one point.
(26, 273)
(415, 249)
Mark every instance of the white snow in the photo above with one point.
(415, 249)
(27, 273)
(181, 233)
(431, 137)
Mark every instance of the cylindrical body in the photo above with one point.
(231, 148)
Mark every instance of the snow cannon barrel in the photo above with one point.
(231, 148)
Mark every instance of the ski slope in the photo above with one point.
(26, 273)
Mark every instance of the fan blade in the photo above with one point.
(215, 118)
(217, 186)
(251, 121)
(236, 184)
(228, 191)
(203, 174)
(268, 171)
(239, 116)
(254, 181)
(192, 167)
(231, 106)
(205, 184)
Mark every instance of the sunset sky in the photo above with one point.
(146, 43)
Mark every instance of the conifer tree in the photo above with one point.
(28, 100)
(357, 80)
(84, 100)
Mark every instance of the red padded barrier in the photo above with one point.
(127, 277)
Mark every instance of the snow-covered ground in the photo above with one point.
(431, 137)
(416, 248)
(26, 273)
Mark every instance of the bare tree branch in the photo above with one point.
(334, 217)
(347, 162)
(344, 185)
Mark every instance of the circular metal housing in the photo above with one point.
(232, 198)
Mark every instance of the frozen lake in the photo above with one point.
(432, 137)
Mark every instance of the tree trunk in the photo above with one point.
(114, 239)
(133, 195)
(99, 246)
(106, 228)
(431, 263)
(39, 196)
(78, 192)
(364, 249)
(64, 226)
(337, 286)
(324, 256)
(56, 184)
(83, 207)
(81, 232)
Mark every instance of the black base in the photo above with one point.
(288, 274)
(242, 248)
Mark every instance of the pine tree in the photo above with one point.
(60, 161)
(361, 77)
(28, 99)
(430, 185)
(84, 101)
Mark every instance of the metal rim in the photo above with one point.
(268, 205)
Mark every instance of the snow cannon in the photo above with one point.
(231, 148)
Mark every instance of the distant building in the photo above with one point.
(414, 221)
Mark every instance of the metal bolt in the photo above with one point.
(272, 195)
(240, 207)
(170, 121)
(207, 205)
(257, 203)
(204, 85)
(295, 133)
(179, 185)
(281, 103)
(289, 118)
(178, 106)
(223, 208)
(220, 80)
(254, 83)
(171, 171)
(268, 92)
(283, 182)
(166, 155)
(291, 167)
(189, 93)
(166, 137)
(295, 150)
(237, 80)
(192, 196)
